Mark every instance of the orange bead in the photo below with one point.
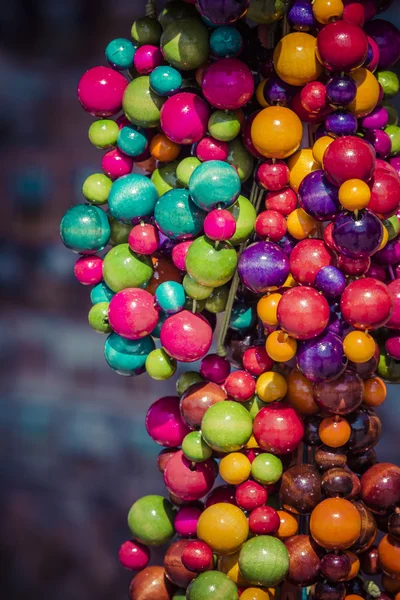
(267, 308)
(335, 524)
(255, 594)
(235, 468)
(223, 527)
(300, 224)
(325, 10)
(252, 443)
(334, 431)
(359, 347)
(149, 165)
(391, 585)
(288, 527)
(318, 150)
(300, 394)
(300, 165)
(355, 565)
(353, 597)
(290, 282)
(367, 95)
(389, 556)
(280, 346)
(162, 149)
(374, 391)
(295, 59)
(354, 194)
(260, 94)
(276, 132)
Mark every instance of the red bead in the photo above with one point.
(342, 46)
(251, 495)
(197, 556)
(256, 360)
(307, 258)
(164, 456)
(278, 428)
(272, 175)
(394, 289)
(354, 266)
(240, 386)
(284, 201)
(187, 481)
(222, 493)
(133, 555)
(271, 224)
(211, 149)
(349, 157)
(164, 423)
(246, 137)
(89, 270)
(354, 13)
(328, 239)
(215, 368)
(303, 313)
(143, 239)
(385, 194)
(313, 97)
(377, 272)
(219, 225)
(186, 336)
(307, 116)
(366, 303)
(264, 520)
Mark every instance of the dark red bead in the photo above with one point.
(250, 495)
(197, 556)
(342, 46)
(264, 520)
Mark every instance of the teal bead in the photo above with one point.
(170, 297)
(226, 42)
(186, 380)
(266, 468)
(393, 226)
(196, 290)
(96, 188)
(165, 80)
(132, 140)
(122, 269)
(101, 293)
(177, 216)
(165, 179)
(132, 197)
(162, 317)
(214, 184)
(393, 132)
(243, 317)
(245, 216)
(210, 265)
(264, 561)
(103, 134)
(146, 31)
(98, 317)
(185, 169)
(224, 125)
(119, 231)
(195, 448)
(239, 158)
(212, 585)
(141, 105)
(226, 426)
(159, 365)
(85, 229)
(151, 520)
(127, 357)
(120, 53)
(389, 82)
(216, 303)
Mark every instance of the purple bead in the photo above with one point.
(301, 16)
(318, 197)
(278, 91)
(377, 272)
(263, 266)
(222, 13)
(330, 281)
(392, 346)
(337, 325)
(380, 141)
(390, 254)
(166, 245)
(341, 91)
(357, 238)
(287, 243)
(322, 358)
(320, 132)
(395, 163)
(341, 123)
(387, 36)
(377, 119)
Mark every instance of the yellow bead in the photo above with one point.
(325, 10)
(229, 565)
(385, 238)
(255, 594)
(290, 282)
(223, 527)
(260, 94)
(276, 132)
(319, 148)
(235, 468)
(252, 443)
(267, 309)
(359, 347)
(300, 224)
(367, 95)
(280, 346)
(300, 165)
(271, 387)
(295, 59)
(354, 194)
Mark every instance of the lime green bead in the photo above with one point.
(165, 178)
(196, 290)
(176, 10)
(185, 169)
(186, 380)
(103, 133)
(159, 365)
(388, 368)
(179, 595)
(96, 188)
(212, 585)
(122, 269)
(216, 303)
(266, 468)
(184, 44)
(98, 317)
(226, 426)
(195, 448)
(119, 231)
(224, 125)
(393, 132)
(254, 405)
(393, 226)
(264, 560)
(392, 113)
(146, 31)
(141, 105)
(245, 216)
(211, 266)
(151, 520)
(389, 82)
(239, 158)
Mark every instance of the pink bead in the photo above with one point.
(240, 386)
(246, 136)
(392, 346)
(143, 239)
(89, 270)
(133, 555)
(219, 225)
(215, 368)
(251, 495)
(122, 121)
(228, 84)
(186, 521)
(273, 176)
(197, 556)
(264, 520)
(100, 91)
(164, 423)
(186, 336)
(271, 224)
(116, 164)
(186, 481)
(394, 289)
(395, 163)
(184, 118)
(211, 149)
(179, 254)
(147, 58)
(376, 54)
(222, 493)
(283, 201)
(132, 313)
(313, 97)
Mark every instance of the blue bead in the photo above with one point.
(132, 140)
(165, 80)
(101, 293)
(177, 216)
(341, 123)
(120, 53)
(242, 317)
(170, 297)
(127, 357)
(226, 42)
(132, 197)
(214, 184)
(85, 229)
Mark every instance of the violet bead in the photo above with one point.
(320, 132)
(330, 281)
(341, 123)
(377, 119)
(263, 266)
(318, 197)
(300, 15)
(357, 238)
(322, 358)
(277, 91)
(387, 36)
(390, 254)
(287, 243)
(341, 90)
(380, 140)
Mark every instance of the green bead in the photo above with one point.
(185, 169)
(196, 290)
(392, 225)
(96, 188)
(243, 317)
(267, 11)
(122, 269)
(209, 265)
(388, 368)
(254, 405)
(103, 133)
(389, 82)
(266, 468)
(392, 112)
(239, 158)
(226, 426)
(393, 132)
(184, 44)
(159, 365)
(165, 178)
(141, 105)
(175, 11)
(186, 380)
(195, 448)
(195, 306)
(98, 317)
(179, 595)
(224, 125)
(151, 520)
(245, 216)
(146, 31)
(119, 231)
(216, 303)
(212, 585)
(264, 560)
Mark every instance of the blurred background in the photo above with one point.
(74, 453)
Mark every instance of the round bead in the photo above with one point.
(163, 149)
(266, 468)
(374, 392)
(330, 281)
(347, 158)
(272, 175)
(177, 216)
(103, 134)
(295, 60)
(197, 556)
(141, 105)
(150, 581)
(164, 423)
(328, 520)
(307, 259)
(380, 486)
(132, 197)
(271, 386)
(170, 297)
(132, 141)
(98, 318)
(240, 386)
(219, 225)
(367, 95)
(188, 481)
(159, 365)
(341, 396)
(335, 567)
(224, 125)
(215, 368)
(359, 347)
(366, 303)
(264, 520)
(197, 398)
(186, 336)
(184, 44)
(299, 394)
(280, 347)
(228, 84)
(89, 270)
(132, 314)
(223, 527)
(175, 571)
(342, 46)
(389, 556)
(300, 225)
(300, 490)
(150, 520)
(143, 239)
(278, 428)
(212, 585)
(133, 555)
(387, 37)
(264, 560)
(211, 149)
(185, 169)
(85, 229)
(165, 80)
(186, 520)
(354, 194)
(146, 31)
(235, 468)
(226, 426)
(116, 164)
(312, 307)
(250, 495)
(319, 148)
(184, 118)
(120, 53)
(276, 132)
(304, 560)
(96, 188)
(100, 91)
(226, 42)
(263, 266)
(334, 431)
(214, 183)
(321, 358)
(127, 357)
(211, 266)
(341, 90)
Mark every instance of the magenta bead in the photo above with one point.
(184, 118)
(211, 149)
(272, 176)
(186, 336)
(392, 346)
(377, 119)
(122, 121)
(143, 239)
(377, 272)
(376, 55)
(228, 84)
(395, 163)
(219, 225)
(89, 270)
(132, 313)
(134, 555)
(394, 289)
(179, 254)
(380, 141)
(100, 91)
(186, 521)
(116, 164)
(147, 58)
(164, 423)
(186, 481)
(215, 368)
(222, 493)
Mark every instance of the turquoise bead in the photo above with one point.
(132, 197)
(243, 317)
(214, 184)
(120, 53)
(165, 80)
(226, 42)
(85, 229)
(132, 140)
(101, 293)
(177, 216)
(170, 297)
(161, 320)
(122, 269)
(127, 357)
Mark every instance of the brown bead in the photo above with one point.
(359, 463)
(380, 487)
(304, 560)
(337, 482)
(389, 556)
(366, 429)
(369, 561)
(197, 399)
(300, 490)
(236, 344)
(329, 458)
(335, 567)
(391, 585)
(174, 568)
(164, 456)
(355, 565)
(151, 583)
(394, 525)
(327, 590)
(311, 435)
(368, 528)
(356, 489)
(341, 396)
(382, 521)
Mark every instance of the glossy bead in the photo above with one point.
(284, 131)
(212, 585)
(184, 118)
(163, 149)
(313, 308)
(300, 489)
(197, 556)
(215, 368)
(140, 104)
(184, 44)
(186, 481)
(250, 495)
(132, 314)
(325, 11)
(235, 468)
(224, 125)
(267, 309)
(223, 527)
(256, 360)
(341, 46)
(374, 391)
(385, 189)
(221, 494)
(228, 84)
(150, 520)
(328, 520)
(208, 265)
(263, 266)
(335, 567)
(240, 386)
(186, 336)
(150, 581)
(387, 37)
(266, 468)
(341, 90)
(194, 447)
(334, 431)
(321, 358)
(84, 229)
(389, 556)
(330, 281)
(164, 423)
(88, 270)
(272, 176)
(318, 197)
(219, 225)
(271, 386)
(98, 318)
(175, 571)
(354, 194)
(264, 560)
(280, 347)
(133, 555)
(347, 158)
(271, 225)
(214, 183)
(100, 91)
(380, 486)
(329, 458)
(304, 560)
(127, 357)
(358, 346)
(278, 428)
(300, 224)
(366, 304)
(283, 201)
(299, 394)
(177, 216)
(367, 95)
(165, 80)
(319, 148)
(146, 31)
(164, 270)
(340, 396)
(294, 59)
(226, 426)
(337, 483)
(131, 197)
(103, 133)
(226, 42)
(264, 520)
(197, 398)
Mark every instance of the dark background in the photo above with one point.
(74, 453)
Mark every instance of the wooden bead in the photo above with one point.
(300, 490)
(326, 590)
(369, 561)
(380, 486)
(374, 391)
(304, 560)
(366, 429)
(335, 567)
(335, 524)
(337, 482)
(174, 568)
(391, 585)
(311, 436)
(334, 431)
(394, 525)
(368, 528)
(359, 463)
(288, 527)
(328, 458)
(197, 399)
(299, 394)
(355, 565)
(389, 556)
(149, 584)
(295, 59)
